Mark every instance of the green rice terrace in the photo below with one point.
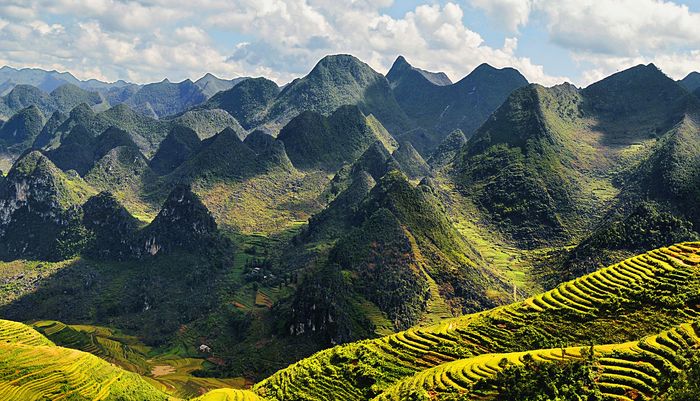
(350, 234)
(651, 302)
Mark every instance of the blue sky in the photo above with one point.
(549, 41)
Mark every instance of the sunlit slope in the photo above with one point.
(637, 367)
(226, 394)
(32, 368)
(640, 296)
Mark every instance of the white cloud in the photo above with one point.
(146, 40)
(621, 27)
(511, 14)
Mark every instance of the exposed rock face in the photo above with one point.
(39, 209)
(183, 223)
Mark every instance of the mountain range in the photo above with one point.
(350, 235)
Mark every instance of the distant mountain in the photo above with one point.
(47, 81)
(691, 82)
(336, 81)
(166, 98)
(315, 141)
(247, 101)
(178, 146)
(146, 132)
(63, 99)
(158, 100)
(18, 133)
(438, 109)
(211, 85)
(80, 150)
(401, 67)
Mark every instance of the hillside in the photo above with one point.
(315, 141)
(166, 98)
(145, 131)
(439, 108)
(63, 98)
(34, 369)
(691, 82)
(551, 161)
(211, 84)
(632, 293)
(38, 202)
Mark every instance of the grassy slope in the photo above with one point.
(640, 296)
(625, 371)
(33, 369)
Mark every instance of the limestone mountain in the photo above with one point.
(18, 133)
(39, 217)
(80, 150)
(336, 81)
(436, 110)
(145, 131)
(178, 146)
(247, 101)
(411, 162)
(112, 226)
(226, 157)
(401, 67)
(211, 84)
(313, 140)
(529, 164)
(398, 250)
(271, 152)
(64, 98)
(691, 82)
(166, 98)
(183, 223)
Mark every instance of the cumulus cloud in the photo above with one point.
(147, 40)
(621, 27)
(511, 14)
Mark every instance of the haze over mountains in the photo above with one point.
(227, 229)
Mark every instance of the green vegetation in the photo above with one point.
(435, 110)
(18, 133)
(216, 253)
(246, 101)
(314, 141)
(166, 98)
(32, 368)
(642, 296)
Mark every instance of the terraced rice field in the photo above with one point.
(229, 395)
(627, 370)
(35, 369)
(169, 373)
(640, 296)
